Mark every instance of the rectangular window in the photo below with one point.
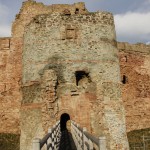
(70, 33)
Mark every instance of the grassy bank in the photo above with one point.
(9, 141)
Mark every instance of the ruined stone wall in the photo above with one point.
(66, 40)
(11, 62)
(65, 46)
(84, 42)
(30, 9)
(9, 86)
(135, 67)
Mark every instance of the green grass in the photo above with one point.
(9, 141)
(135, 138)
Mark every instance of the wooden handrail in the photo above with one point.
(84, 140)
(53, 135)
(92, 138)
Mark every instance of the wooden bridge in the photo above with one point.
(77, 138)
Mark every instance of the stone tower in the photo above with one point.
(71, 66)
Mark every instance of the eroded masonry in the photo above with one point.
(64, 60)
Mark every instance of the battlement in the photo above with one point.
(30, 9)
(76, 8)
(99, 17)
(139, 47)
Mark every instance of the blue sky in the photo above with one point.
(132, 17)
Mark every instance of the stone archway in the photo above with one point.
(63, 121)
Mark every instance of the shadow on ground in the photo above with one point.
(66, 141)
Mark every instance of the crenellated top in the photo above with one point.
(139, 47)
(31, 8)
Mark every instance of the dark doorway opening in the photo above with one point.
(63, 121)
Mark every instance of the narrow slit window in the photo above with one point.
(125, 58)
(124, 79)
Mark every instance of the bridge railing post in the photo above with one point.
(78, 137)
(102, 143)
(36, 144)
(75, 134)
(54, 136)
(57, 133)
(81, 139)
(90, 144)
(84, 139)
(50, 138)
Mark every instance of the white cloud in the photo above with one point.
(4, 24)
(147, 2)
(148, 43)
(5, 31)
(133, 25)
(3, 10)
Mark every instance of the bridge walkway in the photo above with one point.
(66, 141)
(60, 138)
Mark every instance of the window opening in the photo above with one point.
(77, 11)
(125, 58)
(80, 75)
(67, 12)
(124, 79)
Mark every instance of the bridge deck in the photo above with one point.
(66, 141)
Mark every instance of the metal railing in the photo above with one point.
(85, 141)
(51, 140)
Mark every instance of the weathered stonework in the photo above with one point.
(135, 66)
(57, 49)
(63, 59)
(10, 95)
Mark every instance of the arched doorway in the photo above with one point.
(63, 121)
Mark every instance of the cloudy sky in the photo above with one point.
(132, 17)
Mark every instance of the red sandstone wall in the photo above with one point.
(135, 65)
(10, 95)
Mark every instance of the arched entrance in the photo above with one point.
(63, 121)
